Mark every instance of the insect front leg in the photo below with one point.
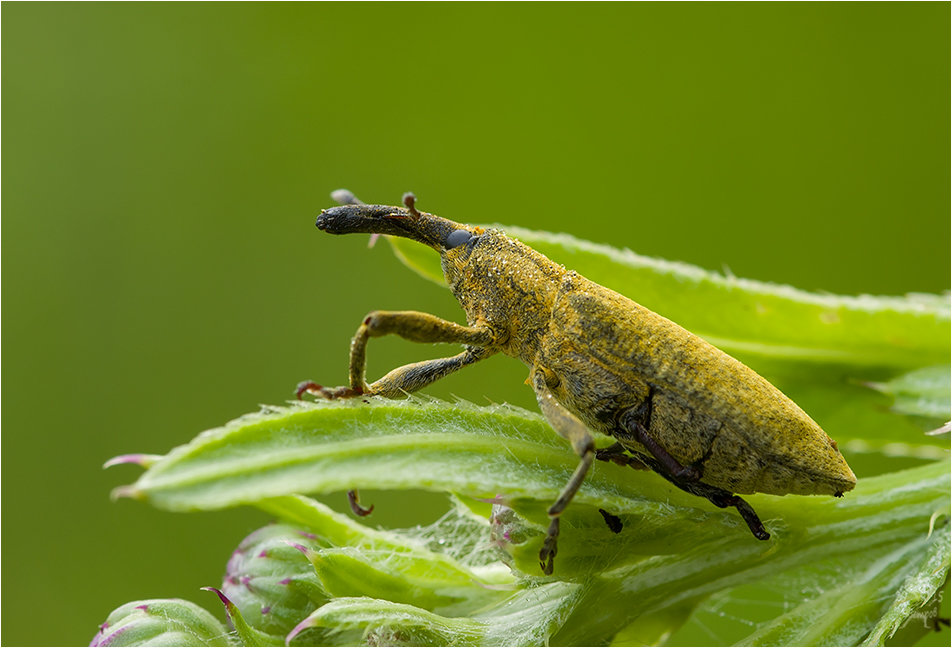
(418, 375)
(416, 327)
(570, 428)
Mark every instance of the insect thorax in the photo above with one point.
(506, 285)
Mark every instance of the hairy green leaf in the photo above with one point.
(923, 392)
(859, 553)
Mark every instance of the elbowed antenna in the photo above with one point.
(408, 222)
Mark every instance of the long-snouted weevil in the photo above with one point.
(598, 362)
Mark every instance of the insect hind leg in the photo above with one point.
(724, 499)
(634, 426)
(747, 512)
(716, 496)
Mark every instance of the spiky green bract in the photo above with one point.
(161, 622)
(246, 635)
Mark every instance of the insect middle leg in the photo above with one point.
(416, 327)
(617, 454)
(572, 429)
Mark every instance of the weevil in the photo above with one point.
(598, 362)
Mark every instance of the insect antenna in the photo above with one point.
(409, 201)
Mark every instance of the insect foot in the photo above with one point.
(746, 512)
(330, 393)
(549, 548)
(613, 522)
(354, 500)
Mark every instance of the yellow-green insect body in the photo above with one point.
(599, 361)
(601, 350)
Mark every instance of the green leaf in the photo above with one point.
(674, 550)
(922, 392)
(330, 446)
(426, 579)
(861, 545)
(762, 319)
(384, 623)
(835, 572)
(843, 612)
(526, 618)
(928, 572)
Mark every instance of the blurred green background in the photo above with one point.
(163, 165)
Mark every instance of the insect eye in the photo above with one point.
(456, 238)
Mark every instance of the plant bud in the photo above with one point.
(161, 622)
(271, 582)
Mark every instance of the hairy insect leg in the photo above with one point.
(413, 326)
(574, 431)
(418, 375)
(724, 499)
(416, 327)
(634, 426)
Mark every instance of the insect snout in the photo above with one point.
(349, 219)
